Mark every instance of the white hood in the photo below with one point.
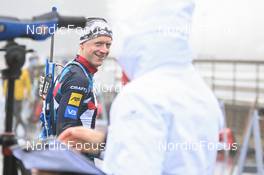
(151, 33)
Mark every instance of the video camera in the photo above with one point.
(36, 29)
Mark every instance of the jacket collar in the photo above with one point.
(86, 64)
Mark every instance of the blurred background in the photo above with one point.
(228, 43)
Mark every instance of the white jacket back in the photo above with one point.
(166, 121)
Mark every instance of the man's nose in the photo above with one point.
(104, 49)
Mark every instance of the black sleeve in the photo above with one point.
(70, 105)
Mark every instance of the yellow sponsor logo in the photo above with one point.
(75, 99)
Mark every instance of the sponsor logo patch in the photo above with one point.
(75, 99)
(79, 88)
(71, 112)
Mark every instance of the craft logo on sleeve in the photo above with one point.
(75, 99)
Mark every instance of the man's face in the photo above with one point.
(96, 50)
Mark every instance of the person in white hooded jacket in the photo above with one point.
(166, 120)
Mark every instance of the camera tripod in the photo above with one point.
(15, 59)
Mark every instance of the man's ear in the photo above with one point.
(81, 46)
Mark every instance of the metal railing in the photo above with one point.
(237, 83)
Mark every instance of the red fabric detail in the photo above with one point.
(124, 78)
(229, 136)
(91, 105)
(37, 112)
(86, 63)
(99, 109)
(7, 151)
(55, 91)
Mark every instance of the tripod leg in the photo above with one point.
(9, 139)
(243, 150)
(257, 142)
(9, 168)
